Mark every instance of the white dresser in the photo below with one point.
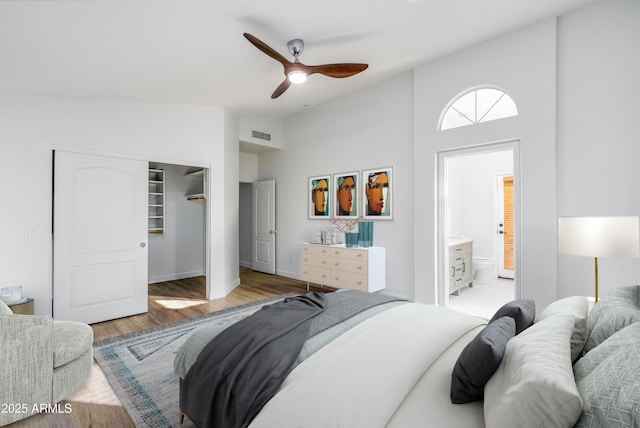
(460, 260)
(337, 266)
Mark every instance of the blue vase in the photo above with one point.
(365, 233)
(351, 239)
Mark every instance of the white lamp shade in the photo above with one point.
(614, 237)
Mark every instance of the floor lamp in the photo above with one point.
(609, 237)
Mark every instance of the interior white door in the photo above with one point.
(100, 237)
(264, 226)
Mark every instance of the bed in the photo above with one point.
(402, 364)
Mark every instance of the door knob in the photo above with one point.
(272, 232)
(142, 245)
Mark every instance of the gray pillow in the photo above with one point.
(618, 309)
(522, 311)
(479, 360)
(607, 378)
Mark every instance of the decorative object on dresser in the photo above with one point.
(341, 267)
(460, 263)
(346, 226)
(610, 237)
(365, 234)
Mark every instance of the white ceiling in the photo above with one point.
(193, 51)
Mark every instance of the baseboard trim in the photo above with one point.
(288, 274)
(176, 276)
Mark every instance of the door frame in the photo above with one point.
(206, 190)
(442, 226)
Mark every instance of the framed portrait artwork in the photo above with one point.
(320, 197)
(345, 187)
(377, 193)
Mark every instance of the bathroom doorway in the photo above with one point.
(478, 202)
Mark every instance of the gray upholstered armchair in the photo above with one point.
(41, 362)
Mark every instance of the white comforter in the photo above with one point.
(393, 370)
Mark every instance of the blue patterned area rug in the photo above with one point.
(139, 365)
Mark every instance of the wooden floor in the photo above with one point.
(96, 405)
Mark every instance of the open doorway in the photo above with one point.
(257, 226)
(179, 252)
(478, 207)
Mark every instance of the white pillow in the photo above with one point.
(578, 306)
(4, 309)
(534, 385)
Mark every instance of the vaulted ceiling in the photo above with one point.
(193, 51)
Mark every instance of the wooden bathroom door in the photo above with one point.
(505, 228)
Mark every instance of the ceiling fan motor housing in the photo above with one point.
(296, 46)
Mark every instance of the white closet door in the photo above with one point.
(100, 237)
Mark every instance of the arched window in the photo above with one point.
(476, 106)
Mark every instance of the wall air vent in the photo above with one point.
(261, 135)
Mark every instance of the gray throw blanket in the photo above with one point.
(243, 367)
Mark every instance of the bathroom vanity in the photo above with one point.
(460, 263)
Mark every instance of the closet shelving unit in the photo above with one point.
(196, 190)
(156, 200)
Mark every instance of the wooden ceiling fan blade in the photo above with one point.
(337, 70)
(280, 89)
(266, 49)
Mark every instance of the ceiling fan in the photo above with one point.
(297, 72)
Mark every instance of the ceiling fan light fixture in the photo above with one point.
(297, 76)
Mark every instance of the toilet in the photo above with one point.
(483, 270)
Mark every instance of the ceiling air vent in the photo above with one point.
(261, 135)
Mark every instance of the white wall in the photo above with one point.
(523, 64)
(273, 127)
(599, 131)
(472, 204)
(369, 129)
(33, 126)
(179, 252)
(226, 211)
(246, 234)
(248, 167)
(581, 71)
